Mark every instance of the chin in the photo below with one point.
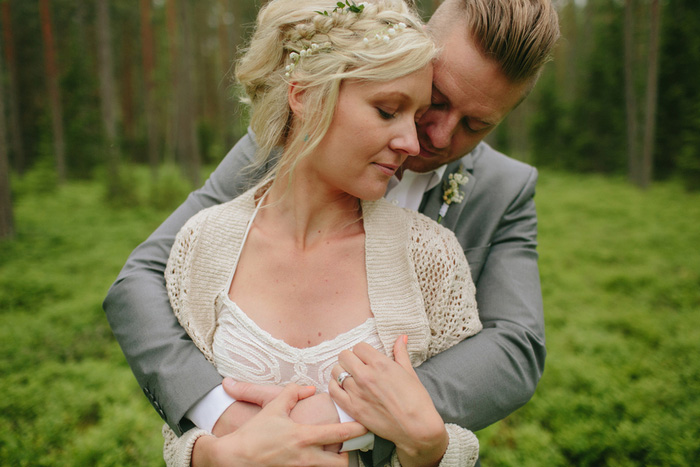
(421, 165)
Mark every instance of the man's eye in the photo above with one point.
(385, 115)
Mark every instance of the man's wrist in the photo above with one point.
(363, 443)
(206, 412)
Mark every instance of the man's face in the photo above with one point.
(470, 97)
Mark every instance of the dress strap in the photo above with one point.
(258, 205)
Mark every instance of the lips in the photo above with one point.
(427, 151)
(388, 169)
(428, 154)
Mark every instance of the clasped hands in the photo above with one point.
(269, 425)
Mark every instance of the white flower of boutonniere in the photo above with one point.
(451, 192)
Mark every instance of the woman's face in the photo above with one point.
(372, 133)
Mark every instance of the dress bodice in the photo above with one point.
(245, 352)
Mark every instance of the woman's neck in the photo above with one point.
(307, 211)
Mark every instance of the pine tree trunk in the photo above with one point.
(171, 105)
(633, 160)
(105, 65)
(52, 83)
(7, 228)
(126, 80)
(187, 149)
(227, 22)
(148, 70)
(647, 165)
(16, 142)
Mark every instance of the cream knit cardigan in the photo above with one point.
(418, 280)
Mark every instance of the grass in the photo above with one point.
(621, 281)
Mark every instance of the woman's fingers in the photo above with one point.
(336, 433)
(401, 353)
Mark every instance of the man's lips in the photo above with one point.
(428, 153)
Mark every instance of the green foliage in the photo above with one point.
(42, 179)
(677, 143)
(621, 281)
(621, 284)
(170, 188)
(585, 131)
(69, 398)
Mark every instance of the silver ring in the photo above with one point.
(342, 377)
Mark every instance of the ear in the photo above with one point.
(295, 97)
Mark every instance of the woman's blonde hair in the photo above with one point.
(386, 40)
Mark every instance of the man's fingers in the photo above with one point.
(255, 393)
(288, 398)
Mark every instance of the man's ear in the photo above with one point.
(295, 97)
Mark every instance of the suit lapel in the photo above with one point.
(432, 200)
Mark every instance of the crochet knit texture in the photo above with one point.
(419, 284)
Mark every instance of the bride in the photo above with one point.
(311, 261)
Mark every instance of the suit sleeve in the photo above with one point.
(485, 378)
(172, 372)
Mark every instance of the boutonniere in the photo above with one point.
(451, 192)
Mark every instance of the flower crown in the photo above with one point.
(351, 8)
(383, 35)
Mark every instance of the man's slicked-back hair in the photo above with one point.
(519, 35)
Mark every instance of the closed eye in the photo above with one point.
(385, 115)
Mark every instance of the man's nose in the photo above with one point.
(439, 127)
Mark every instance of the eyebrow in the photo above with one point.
(385, 94)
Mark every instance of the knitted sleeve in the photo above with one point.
(446, 284)
(449, 295)
(177, 452)
(177, 274)
(462, 450)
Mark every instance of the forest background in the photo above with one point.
(112, 111)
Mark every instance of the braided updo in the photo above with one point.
(385, 41)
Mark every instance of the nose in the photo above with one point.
(439, 126)
(406, 140)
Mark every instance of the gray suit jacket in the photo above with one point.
(475, 383)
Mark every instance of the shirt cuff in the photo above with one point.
(206, 412)
(363, 443)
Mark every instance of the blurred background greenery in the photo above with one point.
(112, 111)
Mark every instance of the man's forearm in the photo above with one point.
(485, 378)
(155, 345)
(488, 376)
(171, 370)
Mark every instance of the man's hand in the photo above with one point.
(387, 397)
(317, 409)
(252, 397)
(272, 438)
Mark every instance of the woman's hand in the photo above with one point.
(387, 397)
(271, 438)
(250, 398)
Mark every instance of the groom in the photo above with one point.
(492, 52)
